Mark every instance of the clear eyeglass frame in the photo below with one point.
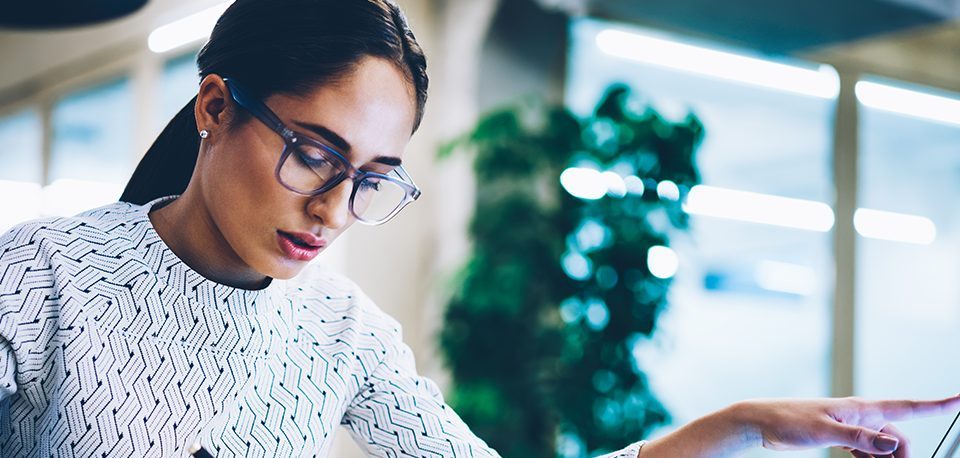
(345, 170)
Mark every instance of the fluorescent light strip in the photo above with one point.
(187, 30)
(786, 278)
(908, 102)
(898, 227)
(822, 83)
(759, 208)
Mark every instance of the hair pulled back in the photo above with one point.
(281, 46)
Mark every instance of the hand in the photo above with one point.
(859, 426)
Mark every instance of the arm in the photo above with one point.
(8, 370)
(8, 360)
(398, 413)
(722, 433)
(8, 381)
(26, 284)
(856, 425)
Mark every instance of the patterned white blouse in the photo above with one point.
(111, 346)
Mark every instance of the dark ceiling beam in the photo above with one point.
(50, 14)
(775, 27)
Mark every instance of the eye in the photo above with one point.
(370, 184)
(311, 156)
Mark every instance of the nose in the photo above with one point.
(332, 208)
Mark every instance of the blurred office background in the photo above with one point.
(823, 257)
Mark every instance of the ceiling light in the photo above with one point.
(898, 227)
(192, 28)
(909, 102)
(759, 208)
(822, 82)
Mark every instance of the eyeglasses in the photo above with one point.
(310, 167)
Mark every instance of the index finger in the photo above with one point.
(893, 410)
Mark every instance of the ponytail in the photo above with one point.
(167, 166)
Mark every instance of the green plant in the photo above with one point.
(557, 292)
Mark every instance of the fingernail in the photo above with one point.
(886, 443)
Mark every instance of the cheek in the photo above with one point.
(242, 192)
(241, 169)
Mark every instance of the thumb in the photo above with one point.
(865, 440)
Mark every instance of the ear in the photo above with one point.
(211, 108)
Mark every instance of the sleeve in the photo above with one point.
(29, 323)
(8, 382)
(8, 360)
(8, 369)
(26, 284)
(398, 413)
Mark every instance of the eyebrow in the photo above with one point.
(342, 144)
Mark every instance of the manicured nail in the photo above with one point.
(886, 443)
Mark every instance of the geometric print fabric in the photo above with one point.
(111, 346)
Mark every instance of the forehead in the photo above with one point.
(373, 109)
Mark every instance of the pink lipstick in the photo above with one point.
(300, 246)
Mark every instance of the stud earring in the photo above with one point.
(204, 133)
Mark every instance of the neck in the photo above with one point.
(187, 227)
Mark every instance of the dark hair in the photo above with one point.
(281, 46)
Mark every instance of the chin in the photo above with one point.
(286, 272)
(274, 265)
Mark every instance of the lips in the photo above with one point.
(300, 246)
(304, 239)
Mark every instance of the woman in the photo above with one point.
(186, 314)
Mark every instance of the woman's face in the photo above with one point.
(367, 116)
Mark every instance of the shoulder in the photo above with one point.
(335, 314)
(33, 245)
(330, 295)
(64, 230)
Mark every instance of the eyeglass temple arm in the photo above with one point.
(402, 173)
(257, 108)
